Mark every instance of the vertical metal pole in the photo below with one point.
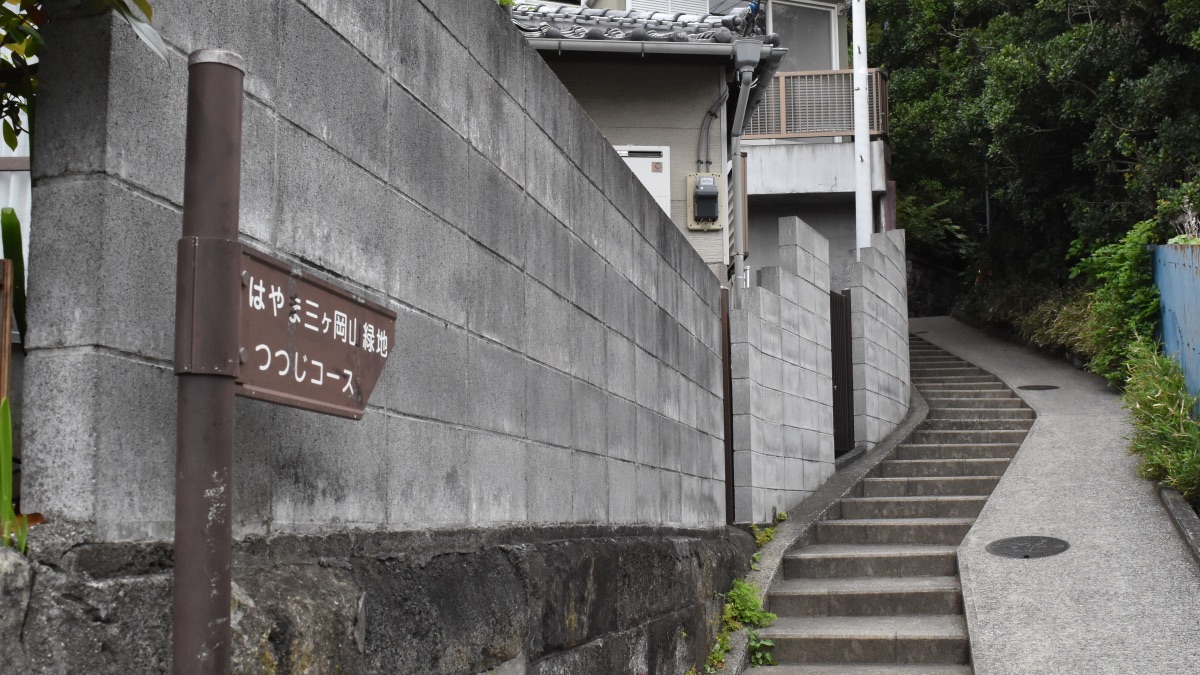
(727, 391)
(206, 364)
(864, 217)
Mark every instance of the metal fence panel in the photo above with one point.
(1177, 274)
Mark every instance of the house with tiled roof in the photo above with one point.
(658, 77)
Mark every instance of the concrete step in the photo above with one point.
(967, 393)
(985, 413)
(867, 560)
(863, 669)
(945, 371)
(954, 506)
(880, 639)
(942, 531)
(939, 402)
(923, 380)
(866, 596)
(937, 360)
(942, 468)
(967, 436)
(908, 451)
(993, 385)
(927, 487)
(940, 423)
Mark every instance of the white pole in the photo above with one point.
(864, 218)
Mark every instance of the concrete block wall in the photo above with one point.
(879, 329)
(556, 355)
(782, 378)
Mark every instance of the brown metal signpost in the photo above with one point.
(245, 324)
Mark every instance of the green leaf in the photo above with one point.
(144, 5)
(148, 35)
(10, 135)
(10, 236)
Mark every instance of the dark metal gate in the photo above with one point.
(843, 373)
(727, 387)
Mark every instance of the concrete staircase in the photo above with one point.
(876, 590)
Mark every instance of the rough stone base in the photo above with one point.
(575, 600)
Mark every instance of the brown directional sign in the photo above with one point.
(307, 343)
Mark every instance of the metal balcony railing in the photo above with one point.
(812, 104)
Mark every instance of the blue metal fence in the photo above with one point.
(1177, 274)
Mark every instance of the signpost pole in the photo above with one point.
(206, 363)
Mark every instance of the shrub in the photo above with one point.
(1125, 302)
(1165, 434)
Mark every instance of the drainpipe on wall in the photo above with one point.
(864, 217)
(746, 54)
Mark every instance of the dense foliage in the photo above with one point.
(1026, 126)
(1165, 433)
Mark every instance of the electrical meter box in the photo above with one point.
(705, 201)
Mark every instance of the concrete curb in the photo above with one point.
(803, 518)
(1186, 521)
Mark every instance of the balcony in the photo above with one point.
(816, 104)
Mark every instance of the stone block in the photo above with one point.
(547, 248)
(74, 83)
(620, 364)
(550, 483)
(498, 479)
(772, 339)
(621, 429)
(497, 300)
(486, 31)
(588, 418)
(649, 490)
(622, 492)
(649, 437)
(351, 111)
(495, 387)
(254, 451)
(548, 405)
(590, 503)
(429, 482)
(587, 278)
(550, 176)
(588, 350)
(359, 22)
(336, 215)
(692, 504)
(94, 279)
(548, 327)
(428, 161)
(429, 62)
(496, 125)
(314, 486)
(427, 377)
(619, 310)
(671, 498)
(646, 379)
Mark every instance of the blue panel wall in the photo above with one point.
(1177, 273)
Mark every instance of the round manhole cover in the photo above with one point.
(1038, 387)
(1027, 547)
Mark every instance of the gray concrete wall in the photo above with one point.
(556, 357)
(879, 329)
(640, 102)
(833, 220)
(782, 384)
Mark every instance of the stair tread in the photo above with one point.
(865, 669)
(918, 498)
(896, 522)
(904, 626)
(838, 585)
(862, 550)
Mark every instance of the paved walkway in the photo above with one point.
(1125, 598)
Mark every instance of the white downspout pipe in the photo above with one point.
(864, 216)
(746, 56)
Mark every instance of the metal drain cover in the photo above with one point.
(1038, 387)
(1027, 547)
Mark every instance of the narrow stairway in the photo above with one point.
(876, 591)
